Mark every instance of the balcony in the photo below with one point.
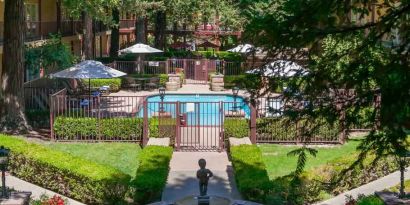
(127, 23)
(42, 30)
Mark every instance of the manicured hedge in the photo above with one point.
(152, 174)
(250, 172)
(71, 176)
(114, 83)
(70, 128)
(236, 127)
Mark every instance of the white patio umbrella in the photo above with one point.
(242, 48)
(88, 69)
(280, 68)
(140, 48)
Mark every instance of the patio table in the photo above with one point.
(143, 82)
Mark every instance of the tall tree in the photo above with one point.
(88, 36)
(115, 33)
(12, 118)
(369, 56)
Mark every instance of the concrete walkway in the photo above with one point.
(36, 191)
(368, 189)
(182, 176)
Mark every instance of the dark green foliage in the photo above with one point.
(152, 174)
(244, 81)
(370, 200)
(70, 128)
(70, 176)
(223, 55)
(38, 118)
(53, 54)
(236, 127)
(114, 83)
(250, 172)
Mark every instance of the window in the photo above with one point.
(31, 12)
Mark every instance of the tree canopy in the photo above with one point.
(361, 45)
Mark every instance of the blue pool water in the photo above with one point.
(198, 109)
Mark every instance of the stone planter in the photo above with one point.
(172, 86)
(217, 82)
(175, 78)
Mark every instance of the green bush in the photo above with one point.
(231, 81)
(38, 118)
(152, 174)
(370, 200)
(250, 172)
(224, 55)
(163, 78)
(70, 128)
(114, 83)
(236, 127)
(68, 175)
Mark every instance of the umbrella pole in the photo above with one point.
(89, 89)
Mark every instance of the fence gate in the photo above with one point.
(200, 126)
(196, 71)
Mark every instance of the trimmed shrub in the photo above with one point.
(236, 127)
(114, 83)
(250, 172)
(63, 173)
(70, 128)
(152, 174)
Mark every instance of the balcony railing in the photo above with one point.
(127, 23)
(36, 30)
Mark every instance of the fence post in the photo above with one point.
(253, 124)
(342, 128)
(52, 117)
(178, 124)
(167, 66)
(146, 126)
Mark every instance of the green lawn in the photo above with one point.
(279, 164)
(123, 156)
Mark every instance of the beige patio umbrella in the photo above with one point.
(139, 49)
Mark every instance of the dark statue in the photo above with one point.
(203, 175)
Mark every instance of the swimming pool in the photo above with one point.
(198, 109)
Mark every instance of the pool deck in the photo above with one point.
(186, 89)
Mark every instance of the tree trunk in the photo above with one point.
(174, 35)
(140, 31)
(402, 164)
(12, 118)
(115, 34)
(184, 35)
(87, 36)
(160, 26)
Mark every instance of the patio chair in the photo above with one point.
(153, 83)
(131, 83)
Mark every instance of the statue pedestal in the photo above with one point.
(203, 200)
